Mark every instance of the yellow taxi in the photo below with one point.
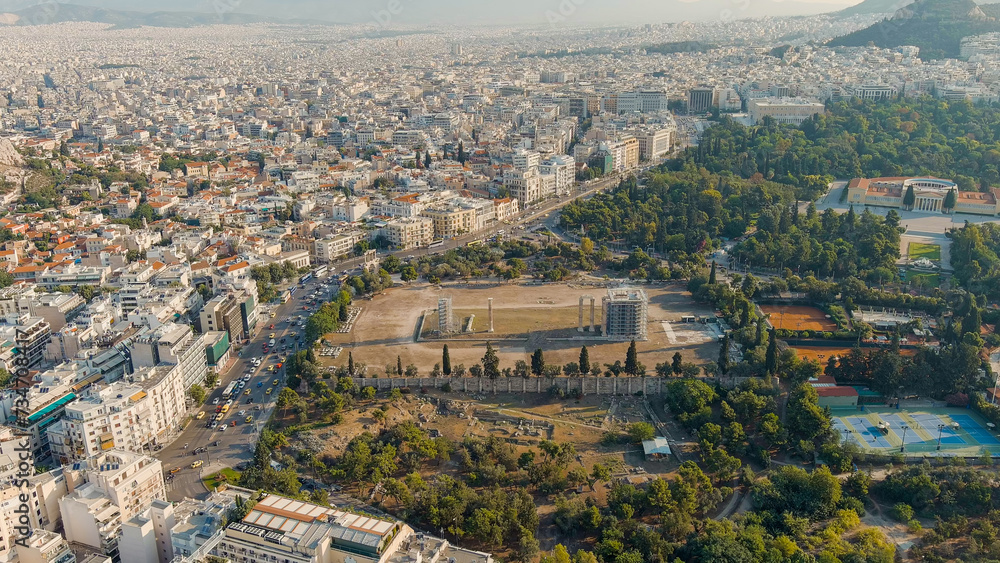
(197, 464)
(269, 389)
(200, 415)
(249, 419)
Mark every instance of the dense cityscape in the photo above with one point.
(285, 291)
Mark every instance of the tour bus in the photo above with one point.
(229, 391)
(436, 244)
(304, 279)
(320, 271)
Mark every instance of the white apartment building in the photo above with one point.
(104, 492)
(172, 344)
(562, 168)
(408, 232)
(123, 415)
(146, 536)
(45, 547)
(525, 159)
(523, 185)
(654, 142)
(642, 101)
(47, 399)
(330, 248)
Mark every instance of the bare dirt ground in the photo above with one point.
(526, 317)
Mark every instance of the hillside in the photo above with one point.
(40, 14)
(936, 26)
(873, 7)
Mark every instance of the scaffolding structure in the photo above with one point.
(446, 320)
(626, 312)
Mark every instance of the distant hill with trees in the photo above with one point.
(935, 26)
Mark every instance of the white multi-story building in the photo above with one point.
(654, 142)
(104, 492)
(523, 185)
(408, 232)
(562, 168)
(525, 159)
(172, 344)
(125, 416)
(642, 101)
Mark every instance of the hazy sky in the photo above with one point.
(526, 12)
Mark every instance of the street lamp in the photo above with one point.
(940, 429)
(902, 448)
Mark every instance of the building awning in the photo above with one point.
(50, 409)
(656, 446)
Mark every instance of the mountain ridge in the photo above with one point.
(41, 14)
(935, 26)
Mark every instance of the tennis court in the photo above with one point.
(918, 431)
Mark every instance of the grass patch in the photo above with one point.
(918, 250)
(925, 280)
(227, 475)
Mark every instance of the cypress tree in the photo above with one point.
(350, 363)
(537, 363)
(724, 355)
(445, 361)
(677, 364)
(491, 363)
(399, 366)
(584, 361)
(771, 359)
(712, 275)
(631, 360)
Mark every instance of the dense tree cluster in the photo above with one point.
(974, 256)
(915, 136)
(827, 244)
(675, 213)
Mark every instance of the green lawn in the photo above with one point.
(214, 480)
(926, 281)
(918, 250)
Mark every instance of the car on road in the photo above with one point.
(249, 419)
(215, 401)
(175, 470)
(241, 413)
(269, 389)
(247, 392)
(218, 409)
(272, 326)
(260, 384)
(249, 400)
(200, 415)
(197, 464)
(233, 423)
(275, 382)
(271, 336)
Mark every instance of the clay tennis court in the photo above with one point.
(823, 354)
(793, 317)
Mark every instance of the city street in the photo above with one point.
(235, 444)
